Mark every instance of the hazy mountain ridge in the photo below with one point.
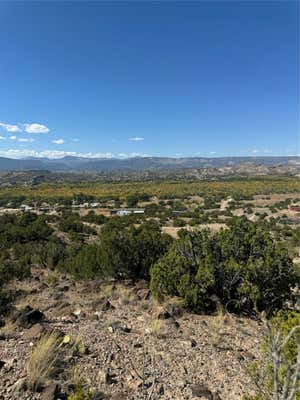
(70, 163)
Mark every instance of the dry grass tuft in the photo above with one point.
(125, 295)
(108, 291)
(158, 328)
(174, 305)
(218, 326)
(120, 293)
(42, 363)
(51, 279)
(8, 329)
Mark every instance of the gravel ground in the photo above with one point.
(133, 348)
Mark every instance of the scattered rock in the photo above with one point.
(175, 309)
(96, 315)
(76, 313)
(199, 390)
(105, 377)
(118, 326)
(34, 332)
(137, 383)
(107, 306)
(9, 365)
(63, 288)
(188, 343)
(27, 317)
(19, 386)
(162, 314)
(248, 355)
(63, 304)
(143, 294)
(172, 323)
(118, 396)
(52, 391)
(182, 383)
(58, 295)
(160, 389)
(177, 362)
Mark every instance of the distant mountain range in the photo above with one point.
(69, 163)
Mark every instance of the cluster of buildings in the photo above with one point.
(45, 207)
(127, 211)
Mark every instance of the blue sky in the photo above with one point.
(149, 78)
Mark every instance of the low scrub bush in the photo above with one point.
(241, 268)
(10, 270)
(124, 252)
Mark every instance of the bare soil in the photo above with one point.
(135, 349)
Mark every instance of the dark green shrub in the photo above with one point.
(241, 267)
(71, 223)
(179, 223)
(94, 218)
(124, 251)
(129, 252)
(132, 200)
(10, 270)
(84, 263)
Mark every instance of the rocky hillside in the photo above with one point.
(120, 344)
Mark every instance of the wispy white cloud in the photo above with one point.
(10, 128)
(132, 155)
(136, 139)
(29, 128)
(36, 128)
(212, 152)
(58, 141)
(26, 140)
(259, 151)
(20, 153)
(21, 139)
(75, 140)
(96, 155)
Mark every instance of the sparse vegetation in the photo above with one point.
(43, 360)
(191, 249)
(277, 377)
(80, 390)
(237, 187)
(158, 328)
